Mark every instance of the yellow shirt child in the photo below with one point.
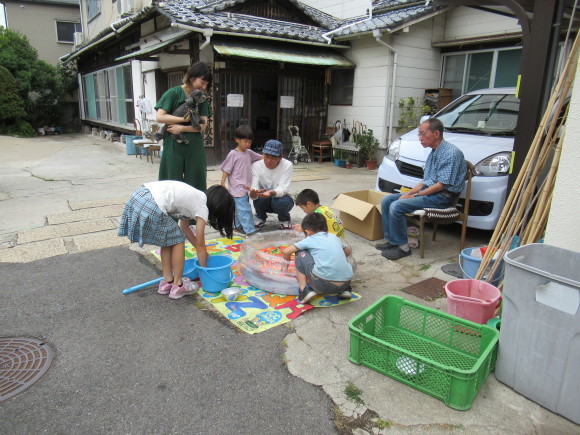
(309, 202)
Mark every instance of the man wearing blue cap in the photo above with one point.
(270, 185)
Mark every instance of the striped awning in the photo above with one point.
(280, 52)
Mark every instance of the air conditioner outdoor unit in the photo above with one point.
(79, 38)
(124, 7)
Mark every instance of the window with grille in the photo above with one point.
(175, 79)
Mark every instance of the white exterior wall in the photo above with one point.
(108, 15)
(341, 8)
(418, 68)
(371, 81)
(562, 229)
(174, 61)
(146, 87)
(465, 22)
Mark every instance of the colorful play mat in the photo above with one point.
(255, 310)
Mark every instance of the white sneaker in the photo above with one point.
(259, 223)
(345, 295)
(305, 295)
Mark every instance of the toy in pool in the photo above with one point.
(263, 266)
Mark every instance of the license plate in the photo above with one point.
(404, 189)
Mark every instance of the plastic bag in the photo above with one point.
(345, 134)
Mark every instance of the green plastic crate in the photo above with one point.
(439, 354)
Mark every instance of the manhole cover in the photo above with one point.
(23, 361)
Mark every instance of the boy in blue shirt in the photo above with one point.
(321, 264)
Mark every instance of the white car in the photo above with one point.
(482, 124)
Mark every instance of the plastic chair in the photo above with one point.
(447, 215)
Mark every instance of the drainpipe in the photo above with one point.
(377, 34)
(346, 26)
(208, 34)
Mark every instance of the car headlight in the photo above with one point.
(394, 150)
(498, 164)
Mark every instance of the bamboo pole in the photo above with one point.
(507, 241)
(541, 211)
(514, 214)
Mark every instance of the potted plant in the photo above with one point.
(368, 146)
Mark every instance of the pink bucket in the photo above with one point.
(472, 299)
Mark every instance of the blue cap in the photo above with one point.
(273, 147)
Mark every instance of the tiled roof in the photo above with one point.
(211, 14)
(388, 14)
(209, 6)
(208, 14)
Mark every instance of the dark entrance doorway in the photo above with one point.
(263, 108)
(269, 101)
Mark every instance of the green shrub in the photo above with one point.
(36, 90)
(10, 101)
(18, 57)
(12, 115)
(19, 129)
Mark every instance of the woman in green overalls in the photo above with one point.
(184, 161)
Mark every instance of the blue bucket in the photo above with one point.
(218, 273)
(130, 145)
(470, 265)
(190, 269)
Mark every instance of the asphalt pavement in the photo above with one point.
(142, 363)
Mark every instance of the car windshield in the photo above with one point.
(486, 114)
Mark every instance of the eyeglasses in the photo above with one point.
(422, 134)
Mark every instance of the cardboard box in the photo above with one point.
(360, 212)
